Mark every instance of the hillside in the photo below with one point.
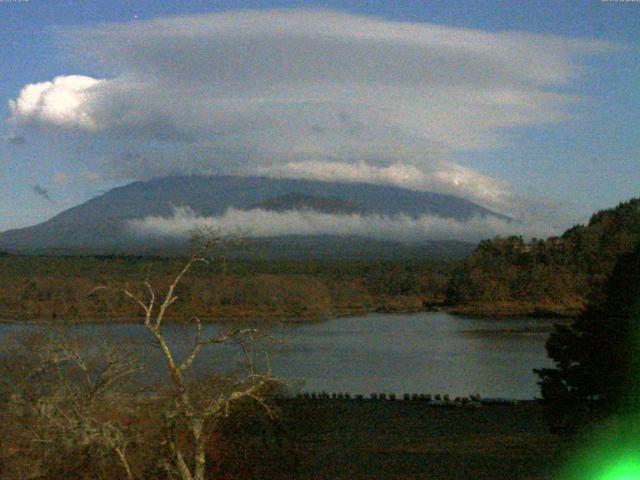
(99, 225)
(300, 201)
(553, 276)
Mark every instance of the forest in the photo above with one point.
(547, 277)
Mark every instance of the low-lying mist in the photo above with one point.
(263, 223)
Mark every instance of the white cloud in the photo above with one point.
(303, 92)
(262, 223)
(63, 102)
(439, 176)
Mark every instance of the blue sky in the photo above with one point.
(581, 154)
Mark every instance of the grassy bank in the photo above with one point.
(369, 439)
(337, 439)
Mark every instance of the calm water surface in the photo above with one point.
(428, 352)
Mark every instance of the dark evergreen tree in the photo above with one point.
(597, 358)
(564, 271)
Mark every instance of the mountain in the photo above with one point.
(300, 201)
(99, 225)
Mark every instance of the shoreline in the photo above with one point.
(480, 312)
(257, 318)
(513, 310)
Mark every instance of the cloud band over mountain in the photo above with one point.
(302, 93)
(257, 223)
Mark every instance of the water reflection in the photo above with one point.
(427, 352)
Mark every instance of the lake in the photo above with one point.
(427, 352)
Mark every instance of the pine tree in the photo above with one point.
(597, 358)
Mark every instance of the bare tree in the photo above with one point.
(198, 408)
(67, 407)
(58, 398)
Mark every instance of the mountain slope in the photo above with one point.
(98, 225)
(557, 274)
(300, 201)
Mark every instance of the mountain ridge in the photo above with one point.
(100, 223)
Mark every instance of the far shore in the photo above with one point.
(513, 309)
(480, 311)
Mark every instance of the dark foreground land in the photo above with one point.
(370, 439)
(337, 439)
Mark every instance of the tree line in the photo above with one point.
(560, 271)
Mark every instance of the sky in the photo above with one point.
(527, 108)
